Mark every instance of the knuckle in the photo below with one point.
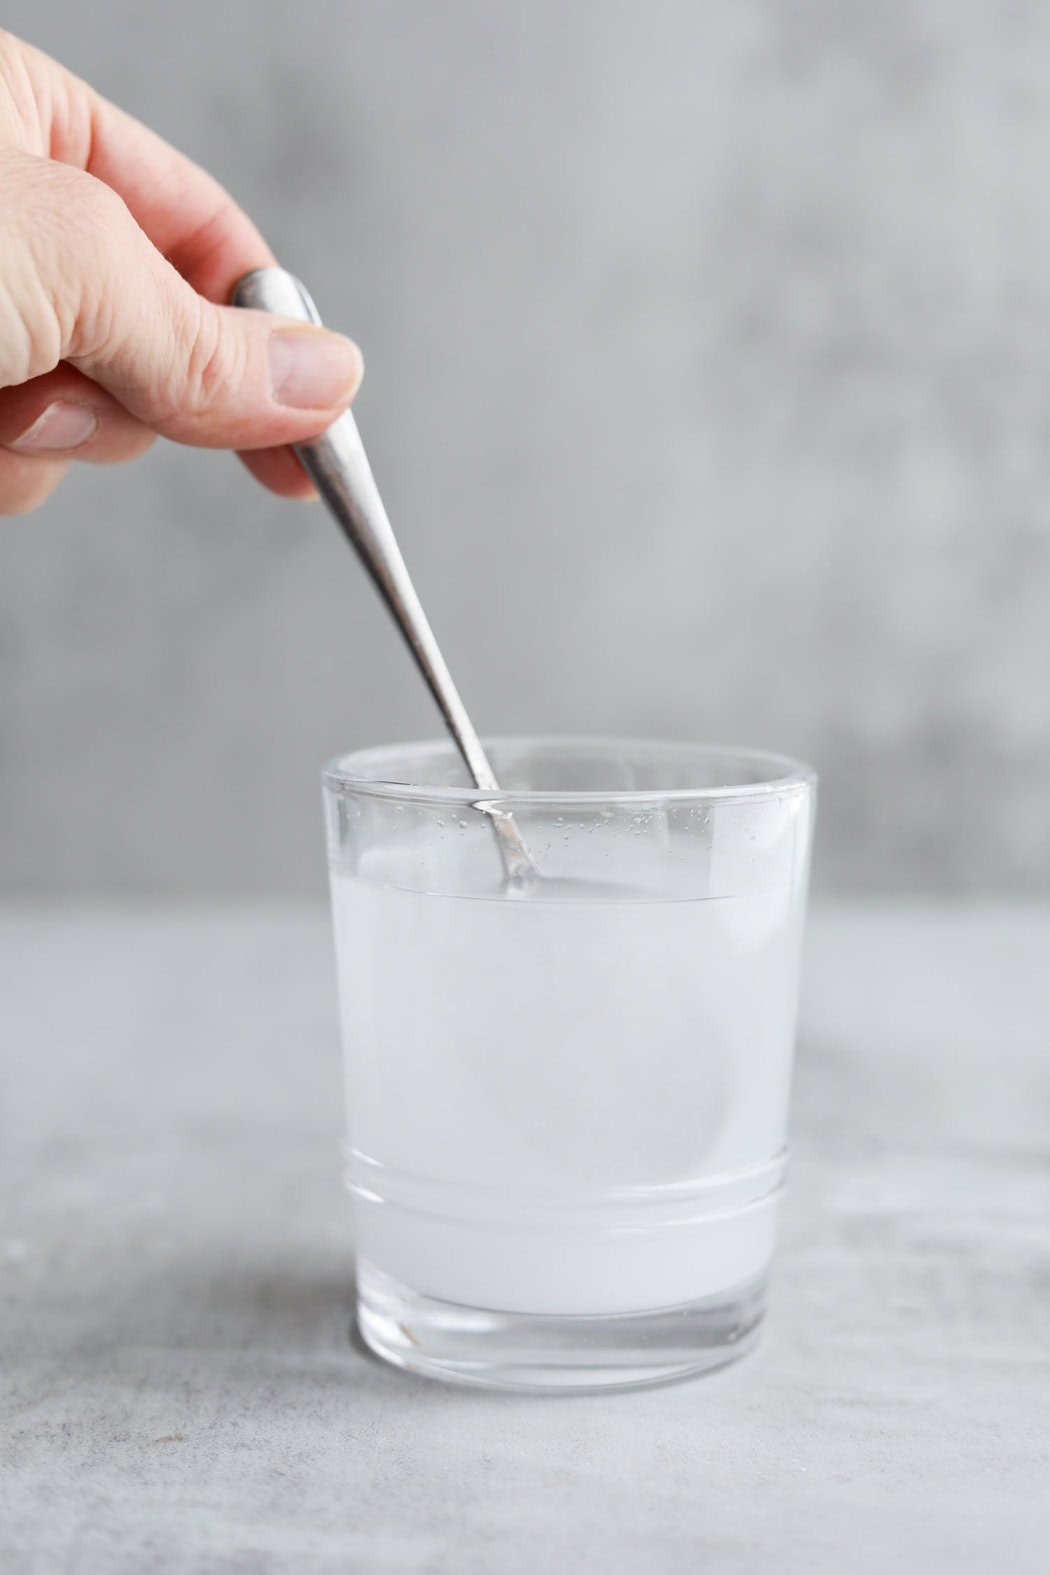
(31, 316)
(62, 230)
(101, 209)
(213, 361)
(94, 220)
(94, 231)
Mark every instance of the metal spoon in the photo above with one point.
(338, 466)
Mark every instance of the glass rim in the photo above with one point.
(788, 775)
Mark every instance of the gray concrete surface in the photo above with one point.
(728, 322)
(179, 1390)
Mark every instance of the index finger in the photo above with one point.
(186, 213)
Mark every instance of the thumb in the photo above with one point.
(101, 296)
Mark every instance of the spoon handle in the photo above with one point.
(338, 466)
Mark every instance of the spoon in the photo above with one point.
(338, 467)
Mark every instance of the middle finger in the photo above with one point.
(65, 414)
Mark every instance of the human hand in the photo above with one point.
(113, 250)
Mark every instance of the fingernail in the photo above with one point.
(60, 426)
(311, 369)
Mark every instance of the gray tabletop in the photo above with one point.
(180, 1391)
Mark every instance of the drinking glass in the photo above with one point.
(567, 1097)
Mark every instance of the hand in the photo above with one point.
(113, 249)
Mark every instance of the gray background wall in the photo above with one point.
(709, 356)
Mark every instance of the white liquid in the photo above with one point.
(566, 1105)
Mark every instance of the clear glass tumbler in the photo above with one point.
(568, 1102)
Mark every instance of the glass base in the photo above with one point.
(543, 1353)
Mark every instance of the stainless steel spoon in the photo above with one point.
(338, 466)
